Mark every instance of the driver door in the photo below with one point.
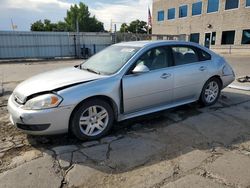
(150, 89)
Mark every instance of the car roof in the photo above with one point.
(149, 43)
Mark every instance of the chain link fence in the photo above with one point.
(125, 37)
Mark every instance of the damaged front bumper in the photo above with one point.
(39, 122)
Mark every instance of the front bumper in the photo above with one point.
(39, 122)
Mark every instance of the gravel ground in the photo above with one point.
(188, 146)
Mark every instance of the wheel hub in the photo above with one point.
(211, 92)
(93, 120)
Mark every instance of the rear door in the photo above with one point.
(190, 72)
(150, 89)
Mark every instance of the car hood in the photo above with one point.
(53, 80)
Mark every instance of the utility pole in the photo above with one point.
(115, 25)
(115, 29)
(115, 34)
(136, 32)
(111, 25)
(77, 38)
(77, 25)
(13, 26)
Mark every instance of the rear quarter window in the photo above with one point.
(184, 55)
(204, 56)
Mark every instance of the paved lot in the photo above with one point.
(188, 146)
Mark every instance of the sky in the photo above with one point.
(25, 12)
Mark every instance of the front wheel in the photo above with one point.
(211, 92)
(92, 120)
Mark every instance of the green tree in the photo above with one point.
(138, 26)
(79, 12)
(85, 21)
(124, 28)
(37, 26)
(94, 25)
(46, 25)
(62, 26)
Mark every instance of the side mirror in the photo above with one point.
(140, 68)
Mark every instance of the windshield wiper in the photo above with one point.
(91, 70)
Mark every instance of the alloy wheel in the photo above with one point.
(211, 92)
(93, 120)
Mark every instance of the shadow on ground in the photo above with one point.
(150, 139)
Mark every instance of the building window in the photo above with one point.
(195, 37)
(231, 4)
(213, 39)
(183, 11)
(228, 37)
(212, 6)
(196, 8)
(171, 13)
(247, 3)
(160, 15)
(245, 37)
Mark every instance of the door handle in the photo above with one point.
(165, 75)
(202, 68)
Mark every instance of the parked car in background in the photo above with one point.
(123, 81)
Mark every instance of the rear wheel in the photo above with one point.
(211, 92)
(92, 120)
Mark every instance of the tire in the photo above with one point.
(92, 120)
(210, 94)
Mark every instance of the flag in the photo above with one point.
(149, 18)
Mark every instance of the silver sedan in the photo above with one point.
(123, 81)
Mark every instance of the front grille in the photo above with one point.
(36, 127)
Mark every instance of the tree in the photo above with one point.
(62, 26)
(85, 21)
(135, 26)
(37, 26)
(94, 25)
(46, 25)
(76, 13)
(124, 28)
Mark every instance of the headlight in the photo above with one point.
(43, 102)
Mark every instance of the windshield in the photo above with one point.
(109, 60)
